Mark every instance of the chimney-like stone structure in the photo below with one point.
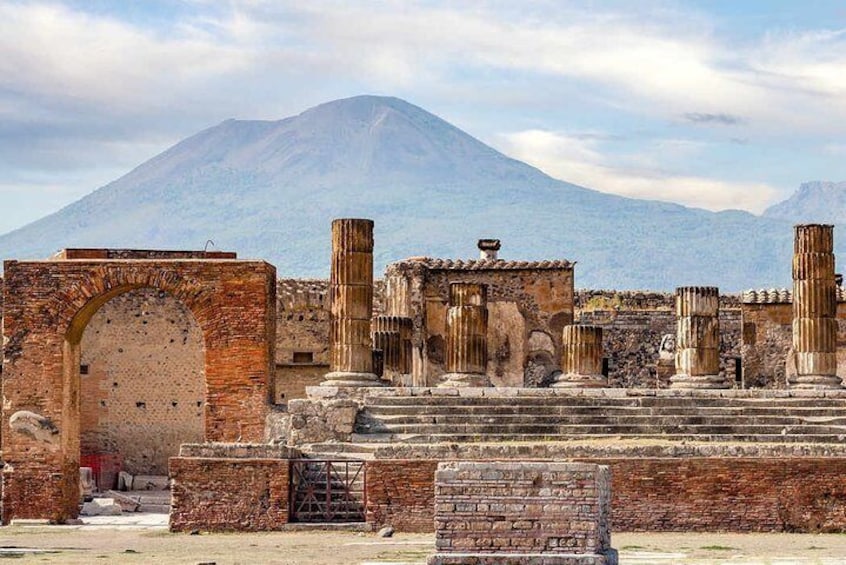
(581, 358)
(488, 249)
(814, 308)
(467, 336)
(392, 334)
(351, 305)
(698, 338)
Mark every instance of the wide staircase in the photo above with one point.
(400, 415)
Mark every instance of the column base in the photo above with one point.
(577, 380)
(344, 378)
(459, 380)
(698, 382)
(815, 382)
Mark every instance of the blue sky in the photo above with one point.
(713, 104)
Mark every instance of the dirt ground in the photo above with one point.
(103, 544)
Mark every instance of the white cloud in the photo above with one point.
(576, 159)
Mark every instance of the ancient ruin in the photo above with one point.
(260, 400)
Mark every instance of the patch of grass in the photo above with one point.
(814, 547)
(718, 548)
(632, 547)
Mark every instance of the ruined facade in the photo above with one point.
(528, 304)
(47, 307)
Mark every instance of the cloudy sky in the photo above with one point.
(714, 103)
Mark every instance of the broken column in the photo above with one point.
(467, 336)
(697, 338)
(392, 334)
(581, 358)
(351, 305)
(814, 308)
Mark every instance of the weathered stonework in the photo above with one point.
(698, 338)
(351, 291)
(551, 513)
(142, 382)
(467, 336)
(47, 307)
(524, 298)
(814, 353)
(230, 488)
(392, 334)
(581, 361)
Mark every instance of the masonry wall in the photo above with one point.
(142, 381)
(227, 494)
(528, 307)
(661, 494)
(635, 325)
(768, 337)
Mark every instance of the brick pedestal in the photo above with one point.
(522, 513)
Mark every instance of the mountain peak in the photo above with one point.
(814, 201)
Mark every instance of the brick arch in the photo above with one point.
(47, 306)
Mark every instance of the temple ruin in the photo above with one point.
(260, 399)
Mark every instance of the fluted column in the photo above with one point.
(351, 305)
(581, 358)
(392, 334)
(467, 336)
(814, 308)
(698, 338)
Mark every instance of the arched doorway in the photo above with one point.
(142, 385)
(49, 304)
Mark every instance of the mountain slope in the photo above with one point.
(817, 201)
(270, 190)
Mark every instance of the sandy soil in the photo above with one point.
(102, 544)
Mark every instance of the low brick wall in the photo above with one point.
(221, 494)
(401, 493)
(736, 494)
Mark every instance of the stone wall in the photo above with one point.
(634, 326)
(401, 493)
(735, 494)
(529, 303)
(228, 494)
(768, 337)
(142, 381)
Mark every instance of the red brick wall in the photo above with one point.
(690, 494)
(47, 306)
(401, 493)
(219, 495)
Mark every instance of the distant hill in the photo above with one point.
(270, 190)
(817, 201)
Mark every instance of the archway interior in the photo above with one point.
(141, 384)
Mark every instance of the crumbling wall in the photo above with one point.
(142, 381)
(634, 326)
(524, 299)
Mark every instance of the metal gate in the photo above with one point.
(327, 491)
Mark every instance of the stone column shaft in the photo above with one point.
(814, 308)
(581, 358)
(351, 304)
(467, 336)
(698, 338)
(398, 359)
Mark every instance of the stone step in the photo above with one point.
(645, 401)
(577, 430)
(367, 420)
(395, 413)
(528, 438)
